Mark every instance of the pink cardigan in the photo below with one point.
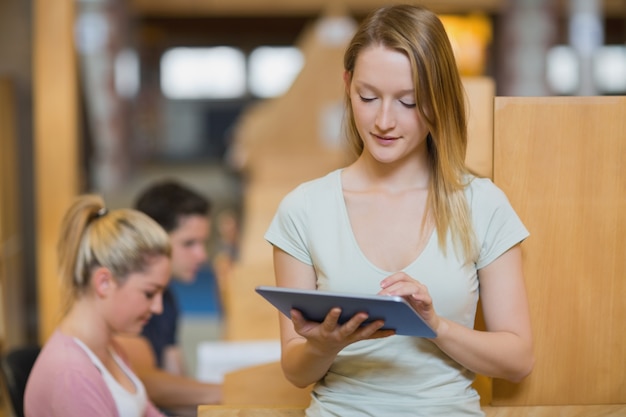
(65, 383)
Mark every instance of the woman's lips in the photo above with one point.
(385, 139)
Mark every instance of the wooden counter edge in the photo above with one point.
(605, 410)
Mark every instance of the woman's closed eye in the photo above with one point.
(404, 103)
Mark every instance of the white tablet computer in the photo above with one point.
(315, 304)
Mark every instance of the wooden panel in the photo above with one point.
(560, 411)
(247, 315)
(10, 234)
(562, 163)
(611, 410)
(55, 142)
(480, 93)
(280, 143)
(249, 411)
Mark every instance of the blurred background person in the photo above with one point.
(156, 355)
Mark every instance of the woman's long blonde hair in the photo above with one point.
(124, 241)
(419, 34)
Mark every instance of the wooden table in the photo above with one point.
(263, 391)
(263, 385)
(616, 410)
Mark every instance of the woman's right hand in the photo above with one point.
(329, 337)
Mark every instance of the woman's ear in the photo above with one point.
(102, 281)
(347, 78)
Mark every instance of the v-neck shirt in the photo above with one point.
(397, 373)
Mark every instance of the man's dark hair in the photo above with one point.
(167, 201)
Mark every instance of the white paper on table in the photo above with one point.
(215, 359)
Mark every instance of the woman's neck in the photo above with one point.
(367, 173)
(85, 323)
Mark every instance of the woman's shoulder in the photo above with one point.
(479, 184)
(60, 343)
(482, 191)
(63, 363)
(329, 180)
(318, 189)
(64, 378)
(61, 354)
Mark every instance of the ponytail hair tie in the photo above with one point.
(102, 212)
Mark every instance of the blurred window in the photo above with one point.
(194, 73)
(563, 70)
(273, 69)
(609, 69)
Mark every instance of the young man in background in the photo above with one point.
(156, 356)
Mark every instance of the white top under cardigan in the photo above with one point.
(129, 404)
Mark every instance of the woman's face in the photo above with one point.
(383, 101)
(133, 302)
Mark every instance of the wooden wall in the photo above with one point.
(57, 176)
(11, 251)
(562, 163)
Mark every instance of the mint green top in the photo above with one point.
(398, 375)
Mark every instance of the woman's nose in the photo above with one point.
(157, 304)
(385, 118)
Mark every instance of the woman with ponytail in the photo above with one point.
(113, 267)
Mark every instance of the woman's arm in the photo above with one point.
(505, 350)
(308, 348)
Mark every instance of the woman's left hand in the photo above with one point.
(416, 293)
